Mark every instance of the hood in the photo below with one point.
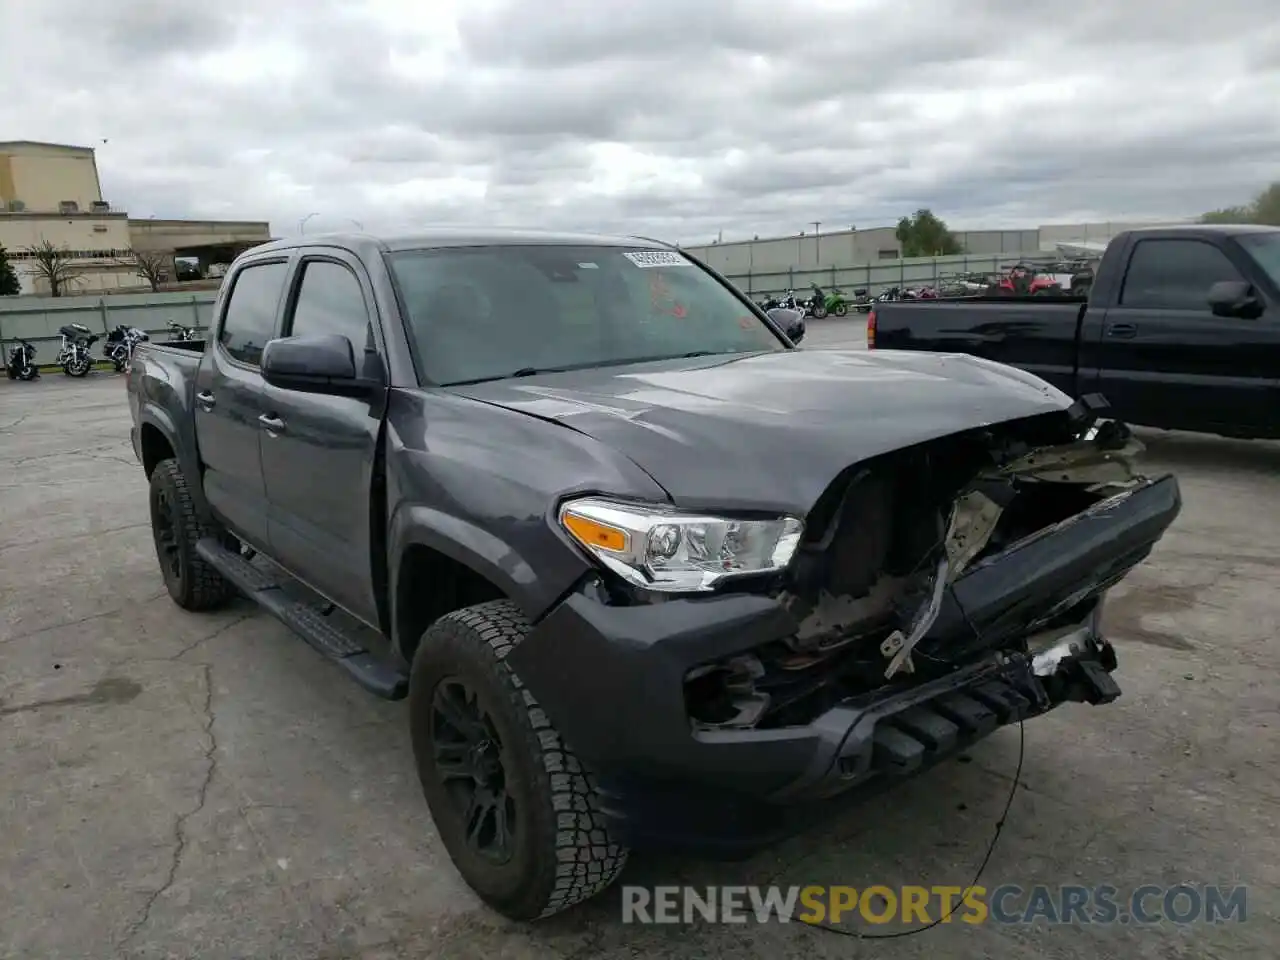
(771, 431)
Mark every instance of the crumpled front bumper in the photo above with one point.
(612, 680)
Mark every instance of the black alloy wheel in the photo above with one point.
(165, 531)
(471, 763)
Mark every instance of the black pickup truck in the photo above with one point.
(646, 572)
(1181, 330)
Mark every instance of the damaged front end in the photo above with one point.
(991, 548)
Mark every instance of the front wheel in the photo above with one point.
(77, 366)
(518, 814)
(819, 312)
(841, 310)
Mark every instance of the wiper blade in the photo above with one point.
(522, 372)
(653, 359)
(588, 365)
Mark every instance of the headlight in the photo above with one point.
(661, 548)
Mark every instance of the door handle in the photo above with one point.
(205, 400)
(1122, 331)
(271, 424)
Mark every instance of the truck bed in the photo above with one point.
(1038, 334)
(186, 346)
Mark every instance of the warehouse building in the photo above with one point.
(841, 249)
(51, 193)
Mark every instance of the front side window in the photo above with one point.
(478, 313)
(330, 301)
(1174, 275)
(249, 319)
(1265, 250)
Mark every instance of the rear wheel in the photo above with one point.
(176, 528)
(513, 805)
(841, 310)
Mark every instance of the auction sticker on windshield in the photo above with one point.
(656, 258)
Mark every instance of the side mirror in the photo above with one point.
(791, 322)
(1234, 298)
(317, 363)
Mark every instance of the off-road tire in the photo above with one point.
(197, 585)
(564, 852)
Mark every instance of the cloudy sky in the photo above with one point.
(662, 117)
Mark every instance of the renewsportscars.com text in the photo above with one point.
(912, 905)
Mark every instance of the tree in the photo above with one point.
(151, 265)
(9, 285)
(53, 265)
(1264, 208)
(924, 235)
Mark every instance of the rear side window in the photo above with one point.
(1174, 275)
(249, 320)
(330, 301)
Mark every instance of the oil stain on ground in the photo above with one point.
(108, 690)
(1126, 616)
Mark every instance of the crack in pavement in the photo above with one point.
(91, 454)
(72, 623)
(72, 536)
(216, 633)
(180, 838)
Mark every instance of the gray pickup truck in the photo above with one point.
(647, 573)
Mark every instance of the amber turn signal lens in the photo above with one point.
(592, 533)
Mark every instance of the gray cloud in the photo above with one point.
(678, 120)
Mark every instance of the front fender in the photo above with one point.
(486, 554)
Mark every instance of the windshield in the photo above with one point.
(1265, 249)
(479, 313)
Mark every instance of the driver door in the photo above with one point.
(319, 452)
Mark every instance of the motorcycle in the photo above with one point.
(180, 332)
(20, 364)
(816, 305)
(836, 304)
(119, 345)
(74, 356)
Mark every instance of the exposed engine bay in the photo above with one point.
(887, 541)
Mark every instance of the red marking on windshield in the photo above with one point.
(662, 300)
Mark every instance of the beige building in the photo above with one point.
(51, 194)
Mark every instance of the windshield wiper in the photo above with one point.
(653, 359)
(522, 372)
(589, 365)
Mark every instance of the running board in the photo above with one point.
(365, 668)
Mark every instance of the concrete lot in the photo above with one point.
(179, 785)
